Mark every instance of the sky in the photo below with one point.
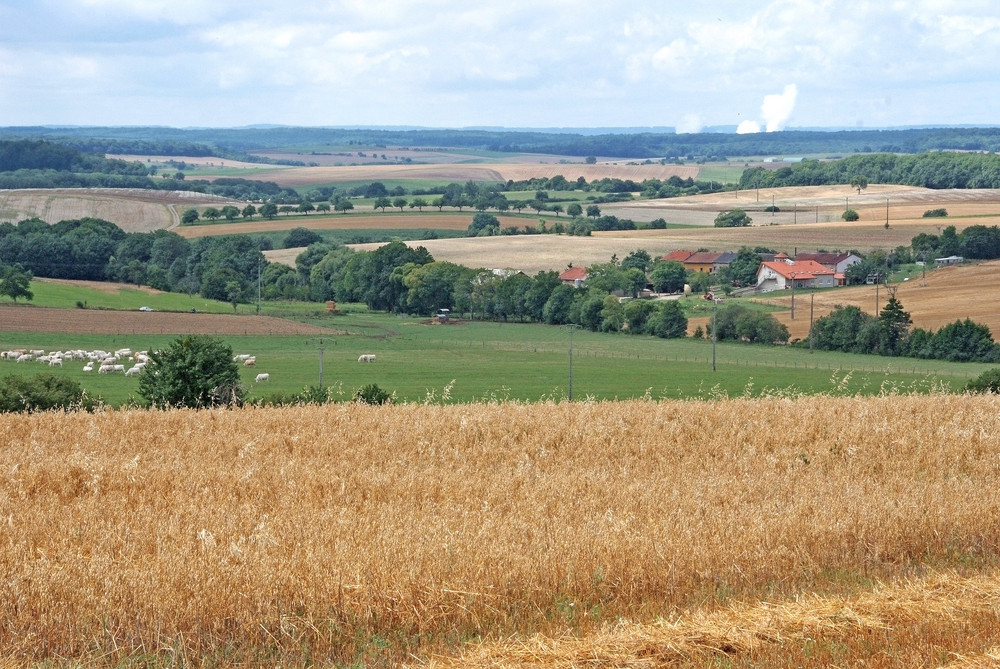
(766, 65)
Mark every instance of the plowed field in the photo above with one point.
(92, 321)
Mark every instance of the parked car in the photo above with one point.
(145, 308)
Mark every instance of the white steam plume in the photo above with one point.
(777, 108)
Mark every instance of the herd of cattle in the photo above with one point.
(123, 360)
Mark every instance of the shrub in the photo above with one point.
(987, 382)
(850, 215)
(372, 394)
(936, 213)
(42, 393)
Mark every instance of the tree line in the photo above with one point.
(623, 143)
(927, 170)
(851, 330)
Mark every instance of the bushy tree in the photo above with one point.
(42, 393)
(14, 282)
(850, 215)
(987, 382)
(299, 237)
(668, 276)
(193, 371)
(484, 224)
(668, 321)
(736, 218)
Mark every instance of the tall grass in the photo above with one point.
(348, 533)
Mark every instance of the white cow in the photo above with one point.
(89, 367)
(55, 361)
(262, 377)
(134, 370)
(366, 357)
(105, 369)
(250, 362)
(25, 357)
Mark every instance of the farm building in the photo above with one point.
(701, 261)
(783, 272)
(574, 276)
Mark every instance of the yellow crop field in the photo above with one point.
(779, 531)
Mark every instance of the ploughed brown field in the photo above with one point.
(26, 318)
(809, 532)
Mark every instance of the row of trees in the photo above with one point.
(851, 330)
(928, 170)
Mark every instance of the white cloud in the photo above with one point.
(748, 128)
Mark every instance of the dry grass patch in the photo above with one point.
(351, 533)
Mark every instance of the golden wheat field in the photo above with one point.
(778, 531)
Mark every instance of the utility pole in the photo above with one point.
(571, 327)
(812, 299)
(258, 286)
(715, 334)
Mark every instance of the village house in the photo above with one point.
(701, 261)
(838, 262)
(574, 276)
(783, 272)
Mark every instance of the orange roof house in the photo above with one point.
(677, 256)
(702, 261)
(574, 276)
(786, 273)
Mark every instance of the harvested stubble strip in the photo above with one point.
(306, 531)
(741, 629)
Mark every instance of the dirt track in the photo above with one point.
(93, 321)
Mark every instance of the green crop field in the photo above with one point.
(498, 361)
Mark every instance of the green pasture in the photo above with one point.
(727, 174)
(471, 361)
(48, 294)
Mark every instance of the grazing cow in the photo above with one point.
(54, 361)
(250, 362)
(118, 368)
(89, 367)
(25, 357)
(366, 357)
(262, 377)
(134, 370)
(105, 369)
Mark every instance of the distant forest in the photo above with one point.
(239, 143)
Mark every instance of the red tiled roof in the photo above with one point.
(823, 258)
(574, 274)
(802, 269)
(677, 256)
(702, 258)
